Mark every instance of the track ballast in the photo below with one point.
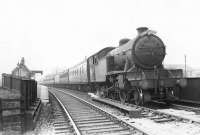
(89, 119)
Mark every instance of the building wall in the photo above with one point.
(22, 72)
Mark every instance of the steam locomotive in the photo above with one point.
(131, 72)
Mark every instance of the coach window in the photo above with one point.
(95, 60)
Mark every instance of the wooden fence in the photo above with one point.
(28, 95)
(26, 87)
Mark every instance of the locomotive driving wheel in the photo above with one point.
(139, 97)
(177, 92)
(123, 96)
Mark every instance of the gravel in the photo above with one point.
(44, 124)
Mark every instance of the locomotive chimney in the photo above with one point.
(141, 30)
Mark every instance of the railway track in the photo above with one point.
(181, 106)
(86, 118)
(185, 107)
(160, 116)
(61, 122)
(188, 113)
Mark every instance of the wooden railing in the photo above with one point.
(27, 89)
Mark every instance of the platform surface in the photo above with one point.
(132, 111)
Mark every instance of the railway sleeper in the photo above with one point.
(96, 124)
(108, 130)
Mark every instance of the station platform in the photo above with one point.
(132, 111)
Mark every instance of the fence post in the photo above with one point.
(31, 92)
(23, 104)
(23, 114)
(24, 93)
(1, 115)
(28, 93)
(11, 82)
(2, 82)
(35, 89)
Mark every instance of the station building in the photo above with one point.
(22, 70)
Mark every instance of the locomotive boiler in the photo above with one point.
(136, 72)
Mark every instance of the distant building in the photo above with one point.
(22, 70)
(190, 71)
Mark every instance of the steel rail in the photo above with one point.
(186, 107)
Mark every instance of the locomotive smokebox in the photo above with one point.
(145, 51)
(148, 50)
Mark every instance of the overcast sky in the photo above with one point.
(54, 34)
